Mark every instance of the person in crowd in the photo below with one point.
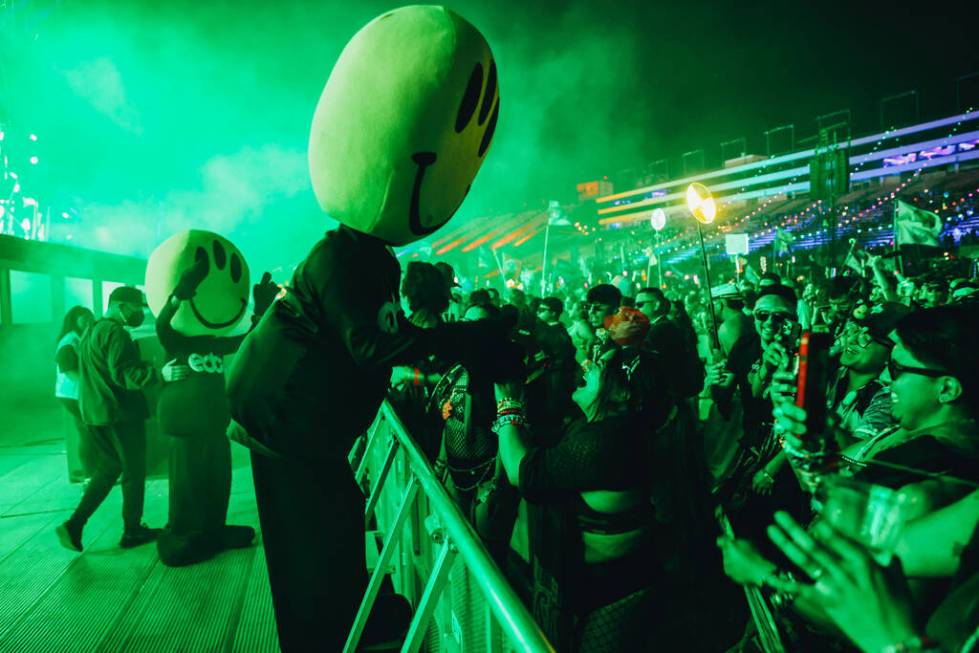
(549, 311)
(427, 292)
(934, 292)
(930, 457)
(78, 445)
(667, 341)
(111, 378)
(757, 471)
(598, 474)
(580, 330)
(934, 403)
(843, 292)
(769, 279)
(456, 307)
(858, 397)
(494, 297)
(479, 297)
(603, 300)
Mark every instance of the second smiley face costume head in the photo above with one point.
(221, 298)
(404, 123)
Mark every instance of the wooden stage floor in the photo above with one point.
(113, 599)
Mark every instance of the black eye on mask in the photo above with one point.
(470, 98)
(219, 255)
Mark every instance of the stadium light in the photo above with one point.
(702, 207)
(701, 203)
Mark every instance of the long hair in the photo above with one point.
(71, 320)
(635, 373)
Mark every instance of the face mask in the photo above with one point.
(135, 319)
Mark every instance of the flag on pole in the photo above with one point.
(914, 226)
(556, 216)
(783, 240)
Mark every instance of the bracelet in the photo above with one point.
(418, 373)
(515, 419)
(509, 404)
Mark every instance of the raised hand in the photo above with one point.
(264, 293)
(191, 278)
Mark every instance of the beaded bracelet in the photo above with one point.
(517, 420)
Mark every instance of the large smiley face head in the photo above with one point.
(222, 297)
(404, 123)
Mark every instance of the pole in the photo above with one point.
(659, 262)
(543, 272)
(710, 301)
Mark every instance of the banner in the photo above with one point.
(914, 226)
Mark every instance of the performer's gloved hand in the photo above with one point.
(191, 279)
(264, 293)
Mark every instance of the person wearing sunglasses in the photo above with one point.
(858, 396)
(934, 386)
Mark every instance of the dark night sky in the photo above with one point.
(183, 105)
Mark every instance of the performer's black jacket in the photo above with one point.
(311, 376)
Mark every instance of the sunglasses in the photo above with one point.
(896, 369)
(864, 338)
(775, 316)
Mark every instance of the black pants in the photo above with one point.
(313, 530)
(120, 449)
(87, 456)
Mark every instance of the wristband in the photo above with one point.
(417, 376)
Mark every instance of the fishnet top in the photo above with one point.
(611, 454)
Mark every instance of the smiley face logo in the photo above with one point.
(221, 299)
(404, 123)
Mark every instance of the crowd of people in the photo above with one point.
(642, 440)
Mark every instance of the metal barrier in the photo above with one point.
(458, 607)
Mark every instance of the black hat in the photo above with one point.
(127, 294)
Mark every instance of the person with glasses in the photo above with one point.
(858, 396)
(549, 311)
(934, 386)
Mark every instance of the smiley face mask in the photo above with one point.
(404, 123)
(222, 297)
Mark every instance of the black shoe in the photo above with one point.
(387, 624)
(138, 535)
(70, 536)
(237, 537)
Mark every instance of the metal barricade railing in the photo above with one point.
(441, 558)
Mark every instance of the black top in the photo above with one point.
(668, 343)
(311, 376)
(111, 376)
(195, 406)
(611, 454)
(914, 460)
